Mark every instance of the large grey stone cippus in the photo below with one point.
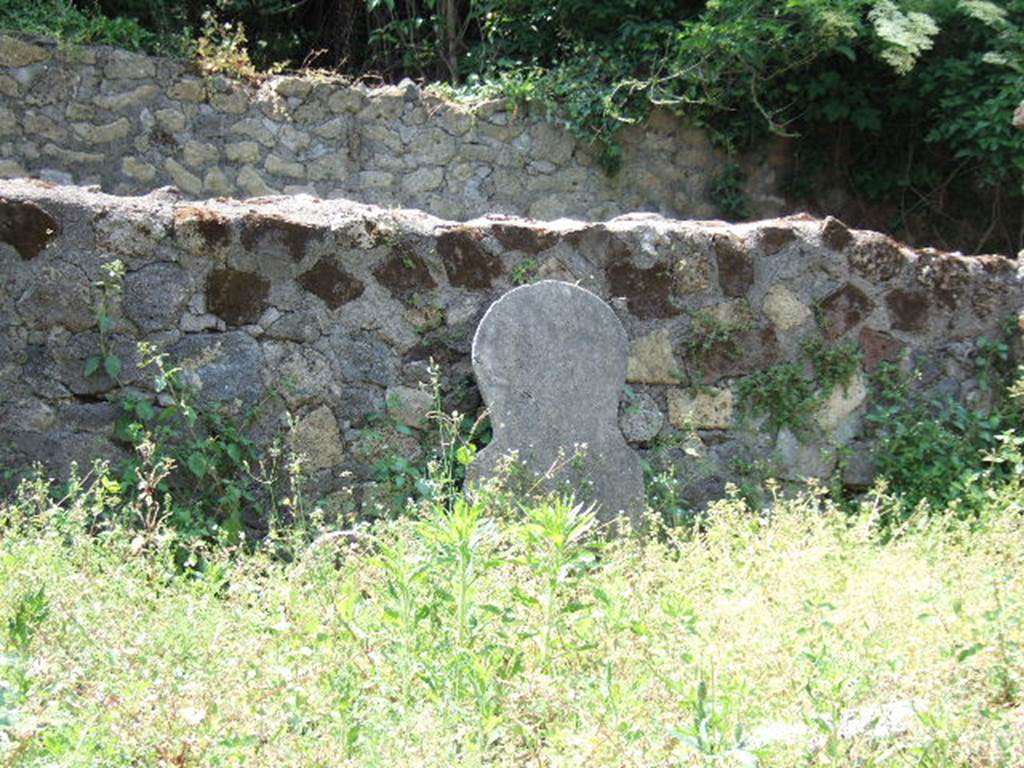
(550, 360)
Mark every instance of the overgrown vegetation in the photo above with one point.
(939, 450)
(464, 635)
(786, 395)
(905, 104)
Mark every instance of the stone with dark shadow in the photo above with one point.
(405, 274)
(26, 227)
(550, 360)
(844, 309)
(333, 285)
(647, 291)
(237, 297)
(735, 267)
(466, 262)
(908, 310)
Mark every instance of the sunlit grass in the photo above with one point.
(795, 637)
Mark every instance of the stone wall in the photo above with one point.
(131, 123)
(327, 312)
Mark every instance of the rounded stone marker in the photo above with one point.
(550, 360)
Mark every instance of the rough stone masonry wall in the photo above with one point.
(132, 123)
(336, 306)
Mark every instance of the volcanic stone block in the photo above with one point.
(550, 359)
(26, 227)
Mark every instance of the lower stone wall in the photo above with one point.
(326, 315)
(132, 123)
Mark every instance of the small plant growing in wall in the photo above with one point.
(782, 394)
(109, 291)
(524, 272)
(834, 365)
(787, 397)
(714, 333)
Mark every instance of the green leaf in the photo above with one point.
(969, 651)
(92, 365)
(465, 454)
(112, 365)
(144, 410)
(197, 463)
(104, 324)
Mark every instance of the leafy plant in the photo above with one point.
(221, 48)
(932, 446)
(29, 613)
(714, 332)
(179, 437)
(524, 272)
(835, 365)
(109, 291)
(727, 193)
(782, 394)
(559, 549)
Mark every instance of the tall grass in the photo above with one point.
(786, 637)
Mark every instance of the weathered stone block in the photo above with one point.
(802, 461)
(103, 134)
(41, 126)
(242, 152)
(329, 282)
(466, 262)
(156, 295)
(640, 419)
(346, 99)
(878, 347)
(58, 297)
(652, 360)
(250, 181)
(232, 102)
(735, 266)
(239, 298)
(11, 169)
(185, 180)
(223, 367)
(281, 167)
(405, 274)
(908, 310)
(216, 182)
(171, 120)
(18, 53)
(423, 180)
(409, 406)
(72, 157)
(293, 139)
(286, 87)
(135, 168)
(129, 66)
(707, 408)
(834, 234)
(198, 154)
(317, 437)
(187, 90)
(647, 292)
(26, 227)
(784, 309)
(844, 309)
(254, 128)
(123, 99)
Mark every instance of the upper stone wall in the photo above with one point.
(131, 123)
(327, 312)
